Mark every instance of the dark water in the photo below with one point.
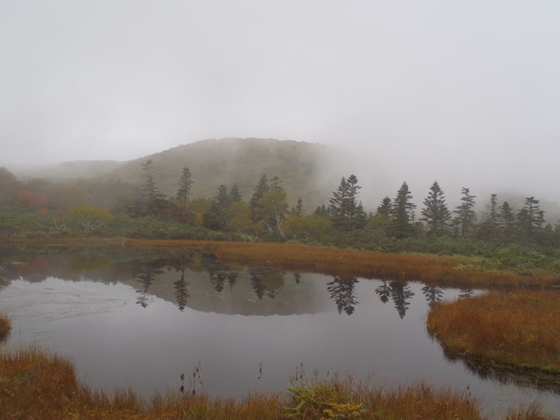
(141, 319)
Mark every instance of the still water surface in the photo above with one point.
(140, 320)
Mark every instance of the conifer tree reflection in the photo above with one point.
(232, 277)
(466, 293)
(262, 277)
(146, 275)
(258, 286)
(384, 292)
(181, 292)
(400, 293)
(218, 272)
(342, 292)
(433, 294)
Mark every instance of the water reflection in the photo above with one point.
(146, 274)
(505, 374)
(433, 294)
(101, 326)
(341, 290)
(466, 293)
(219, 273)
(148, 267)
(266, 280)
(399, 293)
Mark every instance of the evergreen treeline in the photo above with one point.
(41, 208)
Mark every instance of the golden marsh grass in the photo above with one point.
(5, 327)
(450, 270)
(36, 384)
(520, 328)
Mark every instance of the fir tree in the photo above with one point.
(261, 189)
(465, 213)
(223, 198)
(185, 184)
(383, 213)
(299, 211)
(346, 212)
(402, 213)
(506, 221)
(234, 194)
(436, 214)
(530, 219)
(153, 199)
(488, 229)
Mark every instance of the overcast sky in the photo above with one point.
(468, 91)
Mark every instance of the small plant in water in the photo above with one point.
(194, 377)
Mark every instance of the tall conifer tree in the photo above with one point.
(435, 212)
(465, 214)
(402, 213)
(185, 185)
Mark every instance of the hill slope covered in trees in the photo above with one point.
(299, 165)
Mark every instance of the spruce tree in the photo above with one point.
(530, 219)
(153, 199)
(185, 184)
(261, 189)
(234, 193)
(465, 213)
(339, 204)
(384, 211)
(223, 198)
(506, 221)
(488, 229)
(436, 214)
(347, 214)
(402, 213)
(299, 211)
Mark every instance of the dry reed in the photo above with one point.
(353, 263)
(520, 328)
(35, 384)
(5, 327)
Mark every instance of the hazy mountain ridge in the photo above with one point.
(299, 166)
(78, 169)
(311, 171)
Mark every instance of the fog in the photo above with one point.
(466, 93)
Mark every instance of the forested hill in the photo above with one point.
(299, 166)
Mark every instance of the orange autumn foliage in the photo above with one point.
(32, 200)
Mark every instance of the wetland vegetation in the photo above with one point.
(514, 335)
(39, 384)
(5, 327)
(218, 278)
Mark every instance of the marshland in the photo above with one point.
(211, 330)
(313, 210)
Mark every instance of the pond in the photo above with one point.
(141, 319)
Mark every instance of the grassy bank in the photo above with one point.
(40, 385)
(452, 270)
(519, 330)
(354, 263)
